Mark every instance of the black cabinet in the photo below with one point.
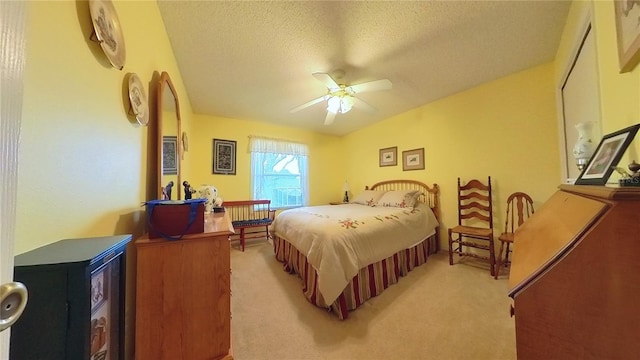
(75, 308)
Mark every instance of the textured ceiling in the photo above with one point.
(254, 60)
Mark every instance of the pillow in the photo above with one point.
(368, 197)
(399, 198)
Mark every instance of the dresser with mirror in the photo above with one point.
(183, 295)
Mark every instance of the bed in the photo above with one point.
(347, 254)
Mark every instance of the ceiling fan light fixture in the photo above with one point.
(341, 98)
(346, 103)
(340, 102)
(333, 104)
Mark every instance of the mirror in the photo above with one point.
(169, 139)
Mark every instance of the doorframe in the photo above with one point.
(12, 62)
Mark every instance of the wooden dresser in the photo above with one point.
(575, 276)
(183, 305)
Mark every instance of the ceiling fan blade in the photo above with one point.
(327, 80)
(360, 104)
(330, 117)
(307, 104)
(382, 84)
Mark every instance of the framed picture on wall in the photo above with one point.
(224, 157)
(388, 156)
(413, 159)
(607, 156)
(169, 155)
(628, 32)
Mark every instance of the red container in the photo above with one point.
(172, 219)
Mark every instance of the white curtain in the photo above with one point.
(276, 146)
(260, 146)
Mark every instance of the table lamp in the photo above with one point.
(345, 188)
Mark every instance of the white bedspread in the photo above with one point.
(338, 240)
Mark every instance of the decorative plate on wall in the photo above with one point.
(138, 98)
(107, 31)
(185, 141)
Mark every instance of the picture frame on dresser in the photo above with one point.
(606, 157)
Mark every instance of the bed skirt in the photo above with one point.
(369, 282)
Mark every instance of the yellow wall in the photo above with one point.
(83, 161)
(505, 129)
(326, 160)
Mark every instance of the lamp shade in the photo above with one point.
(583, 148)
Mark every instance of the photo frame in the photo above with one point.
(628, 34)
(99, 288)
(607, 156)
(413, 159)
(224, 157)
(169, 155)
(388, 156)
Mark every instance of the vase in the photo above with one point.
(583, 148)
(210, 193)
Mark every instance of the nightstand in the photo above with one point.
(338, 203)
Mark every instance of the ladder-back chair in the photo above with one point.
(519, 209)
(475, 223)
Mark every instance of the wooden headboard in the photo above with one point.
(429, 195)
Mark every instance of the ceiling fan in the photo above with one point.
(341, 98)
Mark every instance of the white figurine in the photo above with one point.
(210, 193)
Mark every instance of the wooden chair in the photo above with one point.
(475, 223)
(519, 209)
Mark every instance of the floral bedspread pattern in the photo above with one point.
(339, 240)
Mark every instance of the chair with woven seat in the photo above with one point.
(519, 209)
(475, 223)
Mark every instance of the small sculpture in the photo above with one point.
(623, 173)
(210, 193)
(217, 202)
(635, 168)
(166, 191)
(632, 179)
(188, 190)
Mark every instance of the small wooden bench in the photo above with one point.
(245, 214)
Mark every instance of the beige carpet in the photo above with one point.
(436, 312)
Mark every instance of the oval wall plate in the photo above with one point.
(138, 99)
(108, 31)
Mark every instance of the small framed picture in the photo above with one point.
(169, 155)
(606, 156)
(413, 159)
(389, 156)
(224, 157)
(99, 288)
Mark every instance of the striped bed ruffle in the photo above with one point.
(369, 282)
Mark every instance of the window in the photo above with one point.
(279, 172)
